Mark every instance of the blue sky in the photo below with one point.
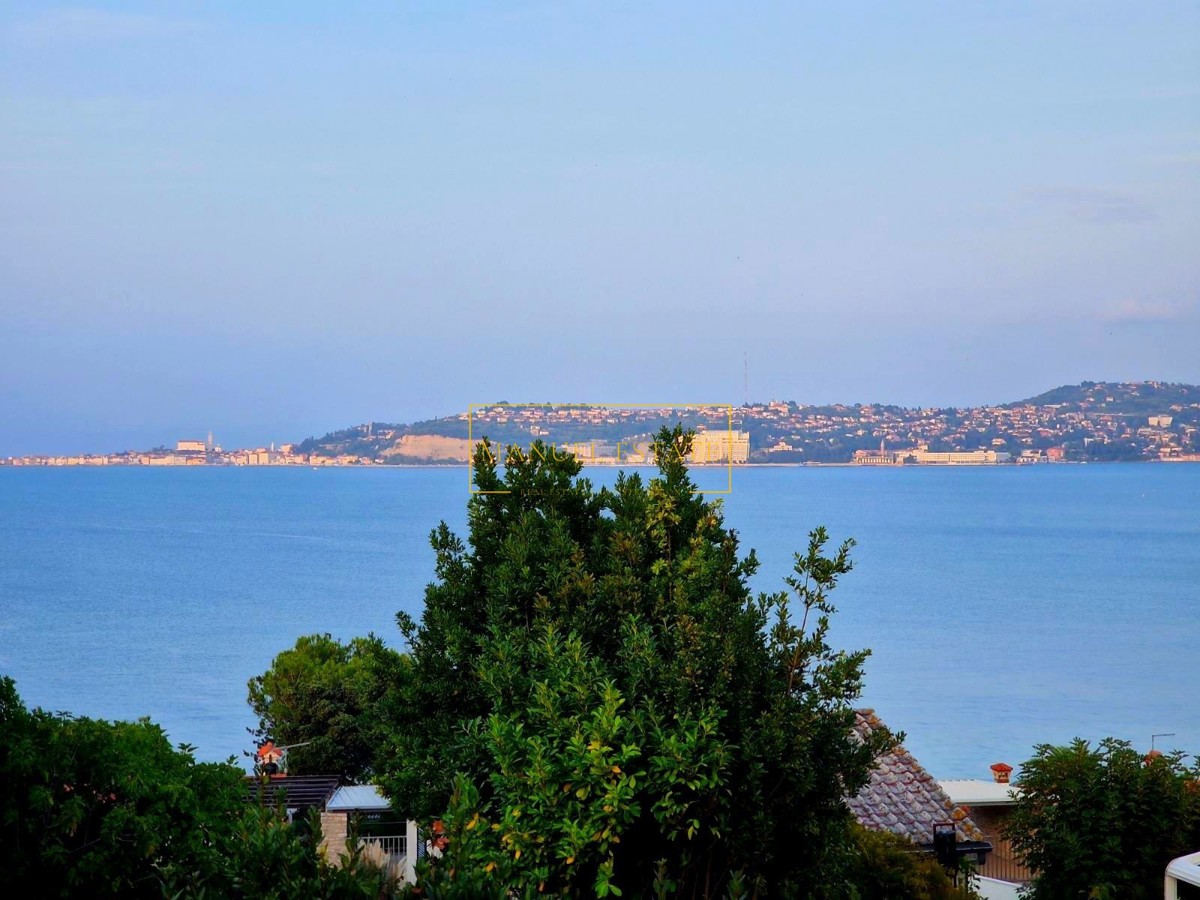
(275, 219)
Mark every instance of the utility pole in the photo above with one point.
(746, 377)
(1154, 737)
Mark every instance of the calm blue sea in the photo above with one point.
(1005, 607)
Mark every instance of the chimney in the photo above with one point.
(1001, 773)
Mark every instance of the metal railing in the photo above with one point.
(390, 844)
(1003, 865)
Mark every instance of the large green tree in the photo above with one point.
(1103, 822)
(598, 703)
(323, 695)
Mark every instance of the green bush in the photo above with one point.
(90, 808)
(1102, 823)
(889, 867)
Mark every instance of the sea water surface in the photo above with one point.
(1004, 606)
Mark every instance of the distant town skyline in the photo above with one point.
(1089, 422)
(269, 220)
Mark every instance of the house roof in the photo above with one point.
(977, 792)
(903, 798)
(357, 796)
(294, 791)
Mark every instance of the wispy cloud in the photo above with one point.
(1092, 204)
(1138, 311)
(82, 25)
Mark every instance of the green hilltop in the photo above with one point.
(1092, 420)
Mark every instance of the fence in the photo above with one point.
(388, 851)
(391, 844)
(1001, 864)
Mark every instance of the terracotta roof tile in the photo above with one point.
(903, 798)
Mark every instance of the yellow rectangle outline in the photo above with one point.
(471, 407)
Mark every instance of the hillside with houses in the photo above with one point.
(1091, 421)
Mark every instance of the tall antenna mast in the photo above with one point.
(1162, 734)
(746, 376)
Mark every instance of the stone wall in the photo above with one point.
(334, 826)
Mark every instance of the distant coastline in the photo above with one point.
(1145, 421)
(363, 466)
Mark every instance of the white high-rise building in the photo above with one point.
(720, 446)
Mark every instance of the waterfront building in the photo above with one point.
(958, 457)
(721, 446)
(925, 457)
(878, 457)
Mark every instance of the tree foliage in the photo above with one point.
(90, 808)
(1103, 822)
(597, 704)
(94, 807)
(268, 857)
(324, 694)
(889, 867)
